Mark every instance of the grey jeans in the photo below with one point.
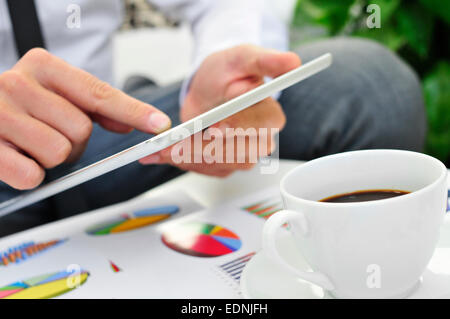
(368, 99)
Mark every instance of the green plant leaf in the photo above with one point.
(436, 87)
(387, 7)
(440, 8)
(416, 25)
(330, 13)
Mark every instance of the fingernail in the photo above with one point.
(159, 122)
(151, 159)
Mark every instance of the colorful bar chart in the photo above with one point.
(20, 253)
(235, 267)
(264, 209)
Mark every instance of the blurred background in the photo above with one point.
(417, 30)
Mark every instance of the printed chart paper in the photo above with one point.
(164, 247)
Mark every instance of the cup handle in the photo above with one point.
(271, 227)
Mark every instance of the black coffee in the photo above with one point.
(364, 196)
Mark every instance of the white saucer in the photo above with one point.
(263, 279)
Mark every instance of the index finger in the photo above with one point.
(91, 94)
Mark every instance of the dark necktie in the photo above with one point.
(26, 27)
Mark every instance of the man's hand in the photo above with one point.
(46, 113)
(221, 77)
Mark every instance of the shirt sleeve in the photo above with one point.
(220, 24)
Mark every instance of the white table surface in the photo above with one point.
(208, 191)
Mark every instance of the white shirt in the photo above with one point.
(215, 24)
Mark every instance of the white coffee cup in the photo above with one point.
(374, 249)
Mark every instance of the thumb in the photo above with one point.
(275, 63)
(261, 62)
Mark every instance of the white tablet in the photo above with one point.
(170, 137)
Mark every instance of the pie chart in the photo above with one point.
(43, 287)
(139, 219)
(201, 240)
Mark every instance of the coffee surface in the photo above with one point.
(364, 196)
